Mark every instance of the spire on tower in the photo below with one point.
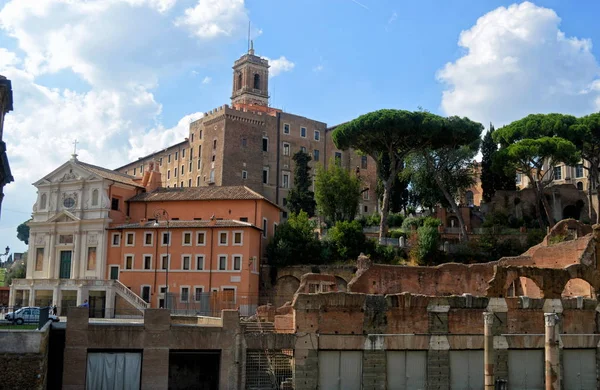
(251, 51)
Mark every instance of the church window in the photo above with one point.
(239, 81)
(244, 142)
(169, 158)
(212, 176)
(214, 157)
(265, 144)
(579, 170)
(199, 164)
(285, 180)
(244, 174)
(189, 182)
(265, 177)
(134, 171)
(199, 136)
(182, 169)
(43, 202)
(214, 144)
(191, 165)
(338, 158)
(256, 81)
(192, 140)
(95, 197)
(580, 186)
(303, 132)
(91, 258)
(168, 174)
(160, 161)
(39, 259)
(175, 173)
(182, 183)
(558, 173)
(197, 181)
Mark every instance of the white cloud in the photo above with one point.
(518, 62)
(119, 49)
(159, 137)
(279, 66)
(206, 80)
(213, 18)
(318, 68)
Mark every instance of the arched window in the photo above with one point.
(95, 197)
(256, 81)
(580, 186)
(239, 83)
(43, 202)
(469, 198)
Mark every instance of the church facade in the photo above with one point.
(252, 144)
(67, 249)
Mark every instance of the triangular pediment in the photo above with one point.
(64, 216)
(68, 172)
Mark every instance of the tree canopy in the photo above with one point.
(387, 136)
(585, 134)
(294, 242)
(337, 192)
(23, 232)
(301, 198)
(532, 146)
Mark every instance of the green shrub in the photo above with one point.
(294, 242)
(397, 233)
(534, 237)
(373, 219)
(496, 218)
(348, 239)
(395, 220)
(428, 240)
(431, 222)
(412, 222)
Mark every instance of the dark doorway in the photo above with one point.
(97, 306)
(114, 272)
(571, 211)
(197, 370)
(65, 264)
(56, 353)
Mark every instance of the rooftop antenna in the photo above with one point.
(74, 155)
(249, 36)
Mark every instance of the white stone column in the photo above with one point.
(12, 297)
(31, 257)
(76, 255)
(109, 309)
(51, 253)
(31, 296)
(489, 360)
(552, 355)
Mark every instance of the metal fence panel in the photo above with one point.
(466, 370)
(526, 369)
(268, 369)
(580, 369)
(407, 370)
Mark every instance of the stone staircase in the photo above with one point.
(132, 298)
(260, 327)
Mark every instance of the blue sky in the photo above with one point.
(125, 77)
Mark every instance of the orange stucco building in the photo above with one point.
(205, 243)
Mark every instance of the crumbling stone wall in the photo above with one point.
(24, 358)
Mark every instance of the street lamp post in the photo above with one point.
(5, 254)
(158, 214)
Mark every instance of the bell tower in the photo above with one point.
(250, 80)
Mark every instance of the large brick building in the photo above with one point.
(249, 143)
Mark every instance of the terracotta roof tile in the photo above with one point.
(205, 223)
(198, 193)
(109, 174)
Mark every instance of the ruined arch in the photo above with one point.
(524, 286)
(571, 211)
(342, 285)
(579, 287)
(452, 221)
(284, 289)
